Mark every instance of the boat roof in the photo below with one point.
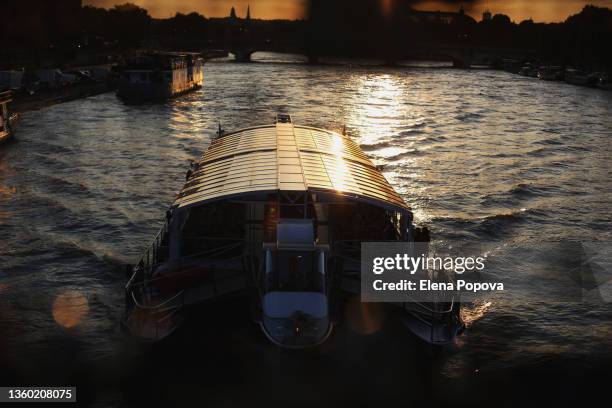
(287, 158)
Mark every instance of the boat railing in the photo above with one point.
(350, 249)
(440, 316)
(141, 293)
(143, 271)
(145, 286)
(160, 313)
(431, 311)
(433, 314)
(6, 97)
(157, 254)
(216, 251)
(161, 305)
(446, 319)
(212, 253)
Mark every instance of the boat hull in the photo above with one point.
(136, 93)
(4, 136)
(7, 134)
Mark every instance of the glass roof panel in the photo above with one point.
(285, 157)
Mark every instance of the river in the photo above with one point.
(480, 155)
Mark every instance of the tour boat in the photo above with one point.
(158, 76)
(7, 120)
(276, 213)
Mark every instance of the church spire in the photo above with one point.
(248, 17)
(233, 13)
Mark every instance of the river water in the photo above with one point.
(480, 155)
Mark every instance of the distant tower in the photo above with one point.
(462, 10)
(233, 13)
(486, 16)
(248, 12)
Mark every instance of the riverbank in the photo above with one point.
(25, 102)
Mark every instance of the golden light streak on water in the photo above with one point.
(70, 308)
(377, 107)
(471, 314)
(7, 191)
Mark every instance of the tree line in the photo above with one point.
(334, 27)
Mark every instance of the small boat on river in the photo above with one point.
(276, 213)
(604, 81)
(578, 77)
(161, 75)
(550, 73)
(7, 119)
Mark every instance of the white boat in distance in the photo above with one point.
(277, 213)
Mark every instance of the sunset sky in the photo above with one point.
(518, 10)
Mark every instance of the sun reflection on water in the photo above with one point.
(376, 107)
(471, 314)
(386, 125)
(70, 308)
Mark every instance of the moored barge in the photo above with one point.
(7, 119)
(158, 76)
(277, 213)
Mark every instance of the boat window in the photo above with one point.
(268, 262)
(215, 230)
(363, 222)
(321, 264)
(294, 271)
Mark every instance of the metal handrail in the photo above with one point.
(163, 230)
(129, 282)
(428, 309)
(216, 251)
(174, 275)
(165, 302)
(6, 96)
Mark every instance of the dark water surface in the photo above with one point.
(482, 156)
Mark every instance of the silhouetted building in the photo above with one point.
(444, 17)
(486, 15)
